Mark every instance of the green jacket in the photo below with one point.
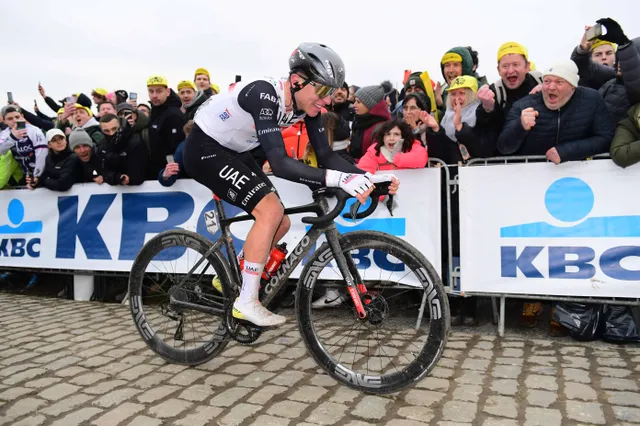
(9, 168)
(625, 148)
(467, 69)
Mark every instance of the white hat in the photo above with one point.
(566, 69)
(54, 132)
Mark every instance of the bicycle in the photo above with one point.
(193, 294)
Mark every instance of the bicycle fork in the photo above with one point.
(349, 271)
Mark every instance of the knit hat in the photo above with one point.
(202, 71)
(511, 47)
(372, 95)
(566, 69)
(414, 80)
(54, 132)
(125, 107)
(79, 137)
(186, 84)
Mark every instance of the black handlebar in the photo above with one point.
(342, 196)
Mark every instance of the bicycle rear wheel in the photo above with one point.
(386, 351)
(159, 278)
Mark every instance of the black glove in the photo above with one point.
(614, 32)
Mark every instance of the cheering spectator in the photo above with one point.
(625, 148)
(165, 124)
(191, 98)
(175, 169)
(563, 121)
(144, 108)
(43, 122)
(82, 118)
(123, 153)
(26, 142)
(413, 106)
(371, 109)
(341, 106)
(10, 171)
(99, 96)
(455, 63)
(395, 147)
(88, 166)
(106, 108)
(79, 98)
(516, 81)
(202, 79)
(60, 166)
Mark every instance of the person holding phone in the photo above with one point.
(26, 143)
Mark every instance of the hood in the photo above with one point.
(467, 60)
(198, 100)
(173, 101)
(141, 123)
(381, 110)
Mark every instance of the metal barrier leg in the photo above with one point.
(421, 312)
(501, 320)
(125, 301)
(494, 305)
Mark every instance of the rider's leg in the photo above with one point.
(284, 227)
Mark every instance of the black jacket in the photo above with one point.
(347, 115)
(87, 171)
(615, 98)
(165, 133)
(578, 130)
(124, 154)
(59, 171)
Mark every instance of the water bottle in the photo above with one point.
(277, 256)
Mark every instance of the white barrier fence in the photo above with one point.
(102, 228)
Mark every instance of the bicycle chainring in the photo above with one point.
(240, 331)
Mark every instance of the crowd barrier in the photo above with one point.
(528, 228)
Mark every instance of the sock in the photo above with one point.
(250, 282)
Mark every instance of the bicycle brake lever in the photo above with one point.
(390, 204)
(354, 210)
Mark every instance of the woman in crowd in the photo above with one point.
(413, 106)
(371, 109)
(60, 165)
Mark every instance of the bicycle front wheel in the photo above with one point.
(405, 331)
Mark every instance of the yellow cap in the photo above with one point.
(465, 81)
(215, 87)
(157, 80)
(101, 92)
(60, 111)
(511, 47)
(597, 42)
(202, 71)
(186, 84)
(532, 66)
(78, 106)
(451, 57)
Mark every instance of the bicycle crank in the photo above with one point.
(241, 331)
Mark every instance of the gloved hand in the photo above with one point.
(352, 183)
(614, 32)
(386, 177)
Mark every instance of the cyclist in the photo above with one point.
(229, 125)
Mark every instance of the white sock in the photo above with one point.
(250, 282)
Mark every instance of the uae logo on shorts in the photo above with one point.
(232, 195)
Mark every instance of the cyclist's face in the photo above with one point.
(310, 102)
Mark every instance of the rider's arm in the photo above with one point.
(325, 154)
(260, 97)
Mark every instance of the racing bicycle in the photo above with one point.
(369, 340)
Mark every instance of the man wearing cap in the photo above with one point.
(165, 124)
(191, 98)
(455, 63)
(516, 81)
(27, 145)
(84, 119)
(99, 95)
(89, 166)
(563, 121)
(60, 165)
(202, 80)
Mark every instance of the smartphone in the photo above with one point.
(133, 96)
(594, 32)
(10, 97)
(21, 125)
(71, 100)
(170, 159)
(238, 78)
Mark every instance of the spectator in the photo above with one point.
(60, 166)
(106, 108)
(99, 95)
(516, 81)
(202, 79)
(123, 154)
(394, 148)
(331, 122)
(352, 94)
(413, 105)
(145, 109)
(137, 120)
(175, 169)
(371, 110)
(342, 107)
(43, 124)
(625, 148)
(82, 118)
(455, 63)
(80, 98)
(88, 166)
(121, 97)
(563, 121)
(10, 171)
(191, 98)
(165, 124)
(26, 142)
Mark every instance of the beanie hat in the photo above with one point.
(121, 95)
(54, 132)
(186, 84)
(79, 137)
(414, 80)
(370, 95)
(202, 71)
(511, 47)
(566, 69)
(124, 107)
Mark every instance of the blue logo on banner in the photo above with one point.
(19, 247)
(570, 200)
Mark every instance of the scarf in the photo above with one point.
(91, 123)
(359, 126)
(468, 116)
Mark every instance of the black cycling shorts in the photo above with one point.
(233, 176)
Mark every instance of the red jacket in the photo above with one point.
(414, 159)
(378, 114)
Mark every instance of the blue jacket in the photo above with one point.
(580, 129)
(178, 158)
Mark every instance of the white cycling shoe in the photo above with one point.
(330, 299)
(257, 314)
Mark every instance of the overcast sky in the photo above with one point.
(74, 45)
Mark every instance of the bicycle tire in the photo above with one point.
(164, 240)
(438, 305)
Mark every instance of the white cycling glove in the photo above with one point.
(351, 183)
(385, 177)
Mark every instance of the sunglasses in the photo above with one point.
(321, 90)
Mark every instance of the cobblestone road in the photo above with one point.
(70, 363)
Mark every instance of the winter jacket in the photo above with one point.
(578, 130)
(87, 171)
(190, 110)
(182, 174)
(615, 98)
(124, 154)
(363, 127)
(30, 152)
(625, 148)
(165, 131)
(9, 169)
(468, 139)
(295, 139)
(416, 158)
(467, 69)
(345, 113)
(59, 171)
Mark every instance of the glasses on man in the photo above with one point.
(321, 90)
